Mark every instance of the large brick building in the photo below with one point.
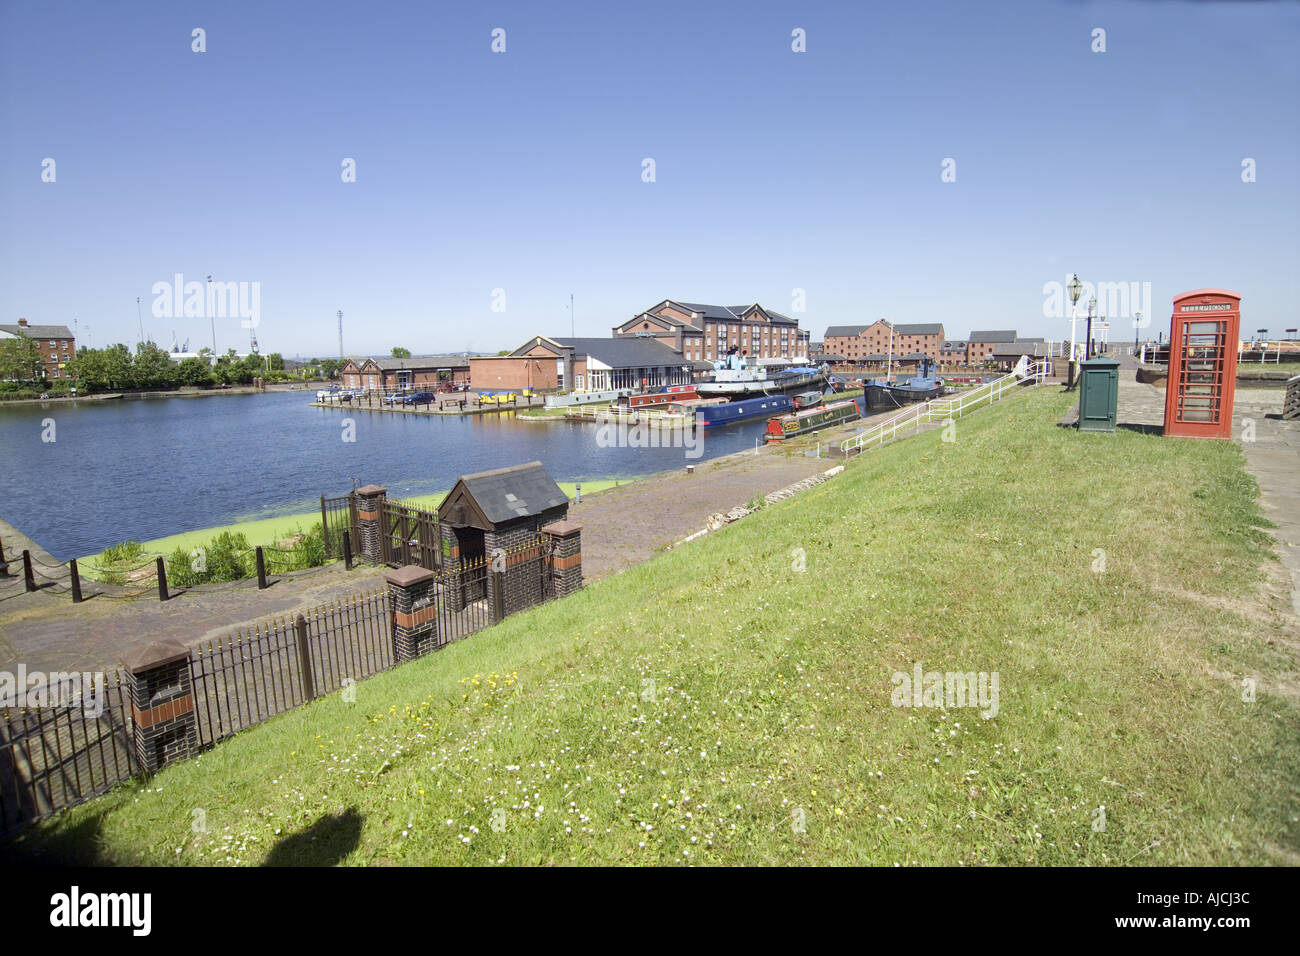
(705, 333)
(981, 345)
(857, 342)
(57, 345)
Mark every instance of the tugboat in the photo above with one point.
(918, 388)
(734, 379)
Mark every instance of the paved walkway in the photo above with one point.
(1273, 456)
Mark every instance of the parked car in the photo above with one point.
(420, 398)
(393, 398)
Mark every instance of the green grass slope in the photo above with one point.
(716, 706)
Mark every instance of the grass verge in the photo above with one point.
(718, 705)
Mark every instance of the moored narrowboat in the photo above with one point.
(727, 413)
(810, 420)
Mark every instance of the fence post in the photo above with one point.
(261, 569)
(563, 557)
(347, 549)
(305, 677)
(76, 581)
(162, 579)
(4, 565)
(324, 526)
(29, 579)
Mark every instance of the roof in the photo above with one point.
(1021, 347)
(842, 331)
(1005, 335)
(625, 352)
(489, 499)
(730, 312)
(423, 361)
(915, 357)
(39, 331)
(924, 328)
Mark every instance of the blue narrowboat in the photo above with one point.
(729, 412)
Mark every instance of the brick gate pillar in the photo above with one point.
(453, 585)
(163, 720)
(370, 506)
(415, 612)
(564, 547)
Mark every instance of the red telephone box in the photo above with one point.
(1204, 335)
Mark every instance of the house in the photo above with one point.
(56, 343)
(419, 372)
(980, 345)
(583, 365)
(1006, 354)
(702, 332)
(856, 342)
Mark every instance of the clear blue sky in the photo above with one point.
(522, 170)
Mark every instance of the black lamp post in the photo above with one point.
(1087, 345)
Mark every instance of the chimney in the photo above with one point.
(22, 322)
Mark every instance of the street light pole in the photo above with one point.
(1087, 345)
(213, 319)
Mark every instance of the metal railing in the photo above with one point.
(946, 409)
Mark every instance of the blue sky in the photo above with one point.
(522, 171)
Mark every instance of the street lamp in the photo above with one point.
(212, 317)
(1075, 289)
(1136, 326)
(1087, 345)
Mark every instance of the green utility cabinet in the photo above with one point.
(1098, 394)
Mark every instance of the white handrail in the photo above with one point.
(946, 409)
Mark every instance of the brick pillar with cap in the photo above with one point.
(163, 719)
(564, 550)
(412, 597)
(453, 586)
(370, 506)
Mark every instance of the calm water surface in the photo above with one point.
(147, 468)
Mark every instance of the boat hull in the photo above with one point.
(811, 420)
(728, 413)
(895, 396)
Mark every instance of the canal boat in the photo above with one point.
(810, 420)
(674, 393)
(918, 388)
(747, 409)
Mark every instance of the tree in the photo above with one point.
(194, 371)
(20, 359)
(330, 367)
(152, 368)
(399, 352)
(276, 361)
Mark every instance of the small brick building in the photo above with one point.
(500, 518)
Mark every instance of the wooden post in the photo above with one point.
(304, 659)
(347, 550)
(261, 569)
(162, 579)
(4, 566)
(324, 526)
(76, 581)
(29, 579)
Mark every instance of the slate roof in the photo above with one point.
(1005, 335)
(914, 357)
(923, 328)
(39, 331)
(846, 330)
(422, 361)
(625, 352)
(731, 312)
(507, 494)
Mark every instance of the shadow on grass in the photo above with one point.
(324, 843)
(77, 844)
(1141, 429)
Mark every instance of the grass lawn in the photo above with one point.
(714, 705)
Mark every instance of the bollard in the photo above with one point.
(162, 579)
(76, 581)
(29, 579)
(347, 550)
(4, 566)
(261, 569)
(304, 659)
